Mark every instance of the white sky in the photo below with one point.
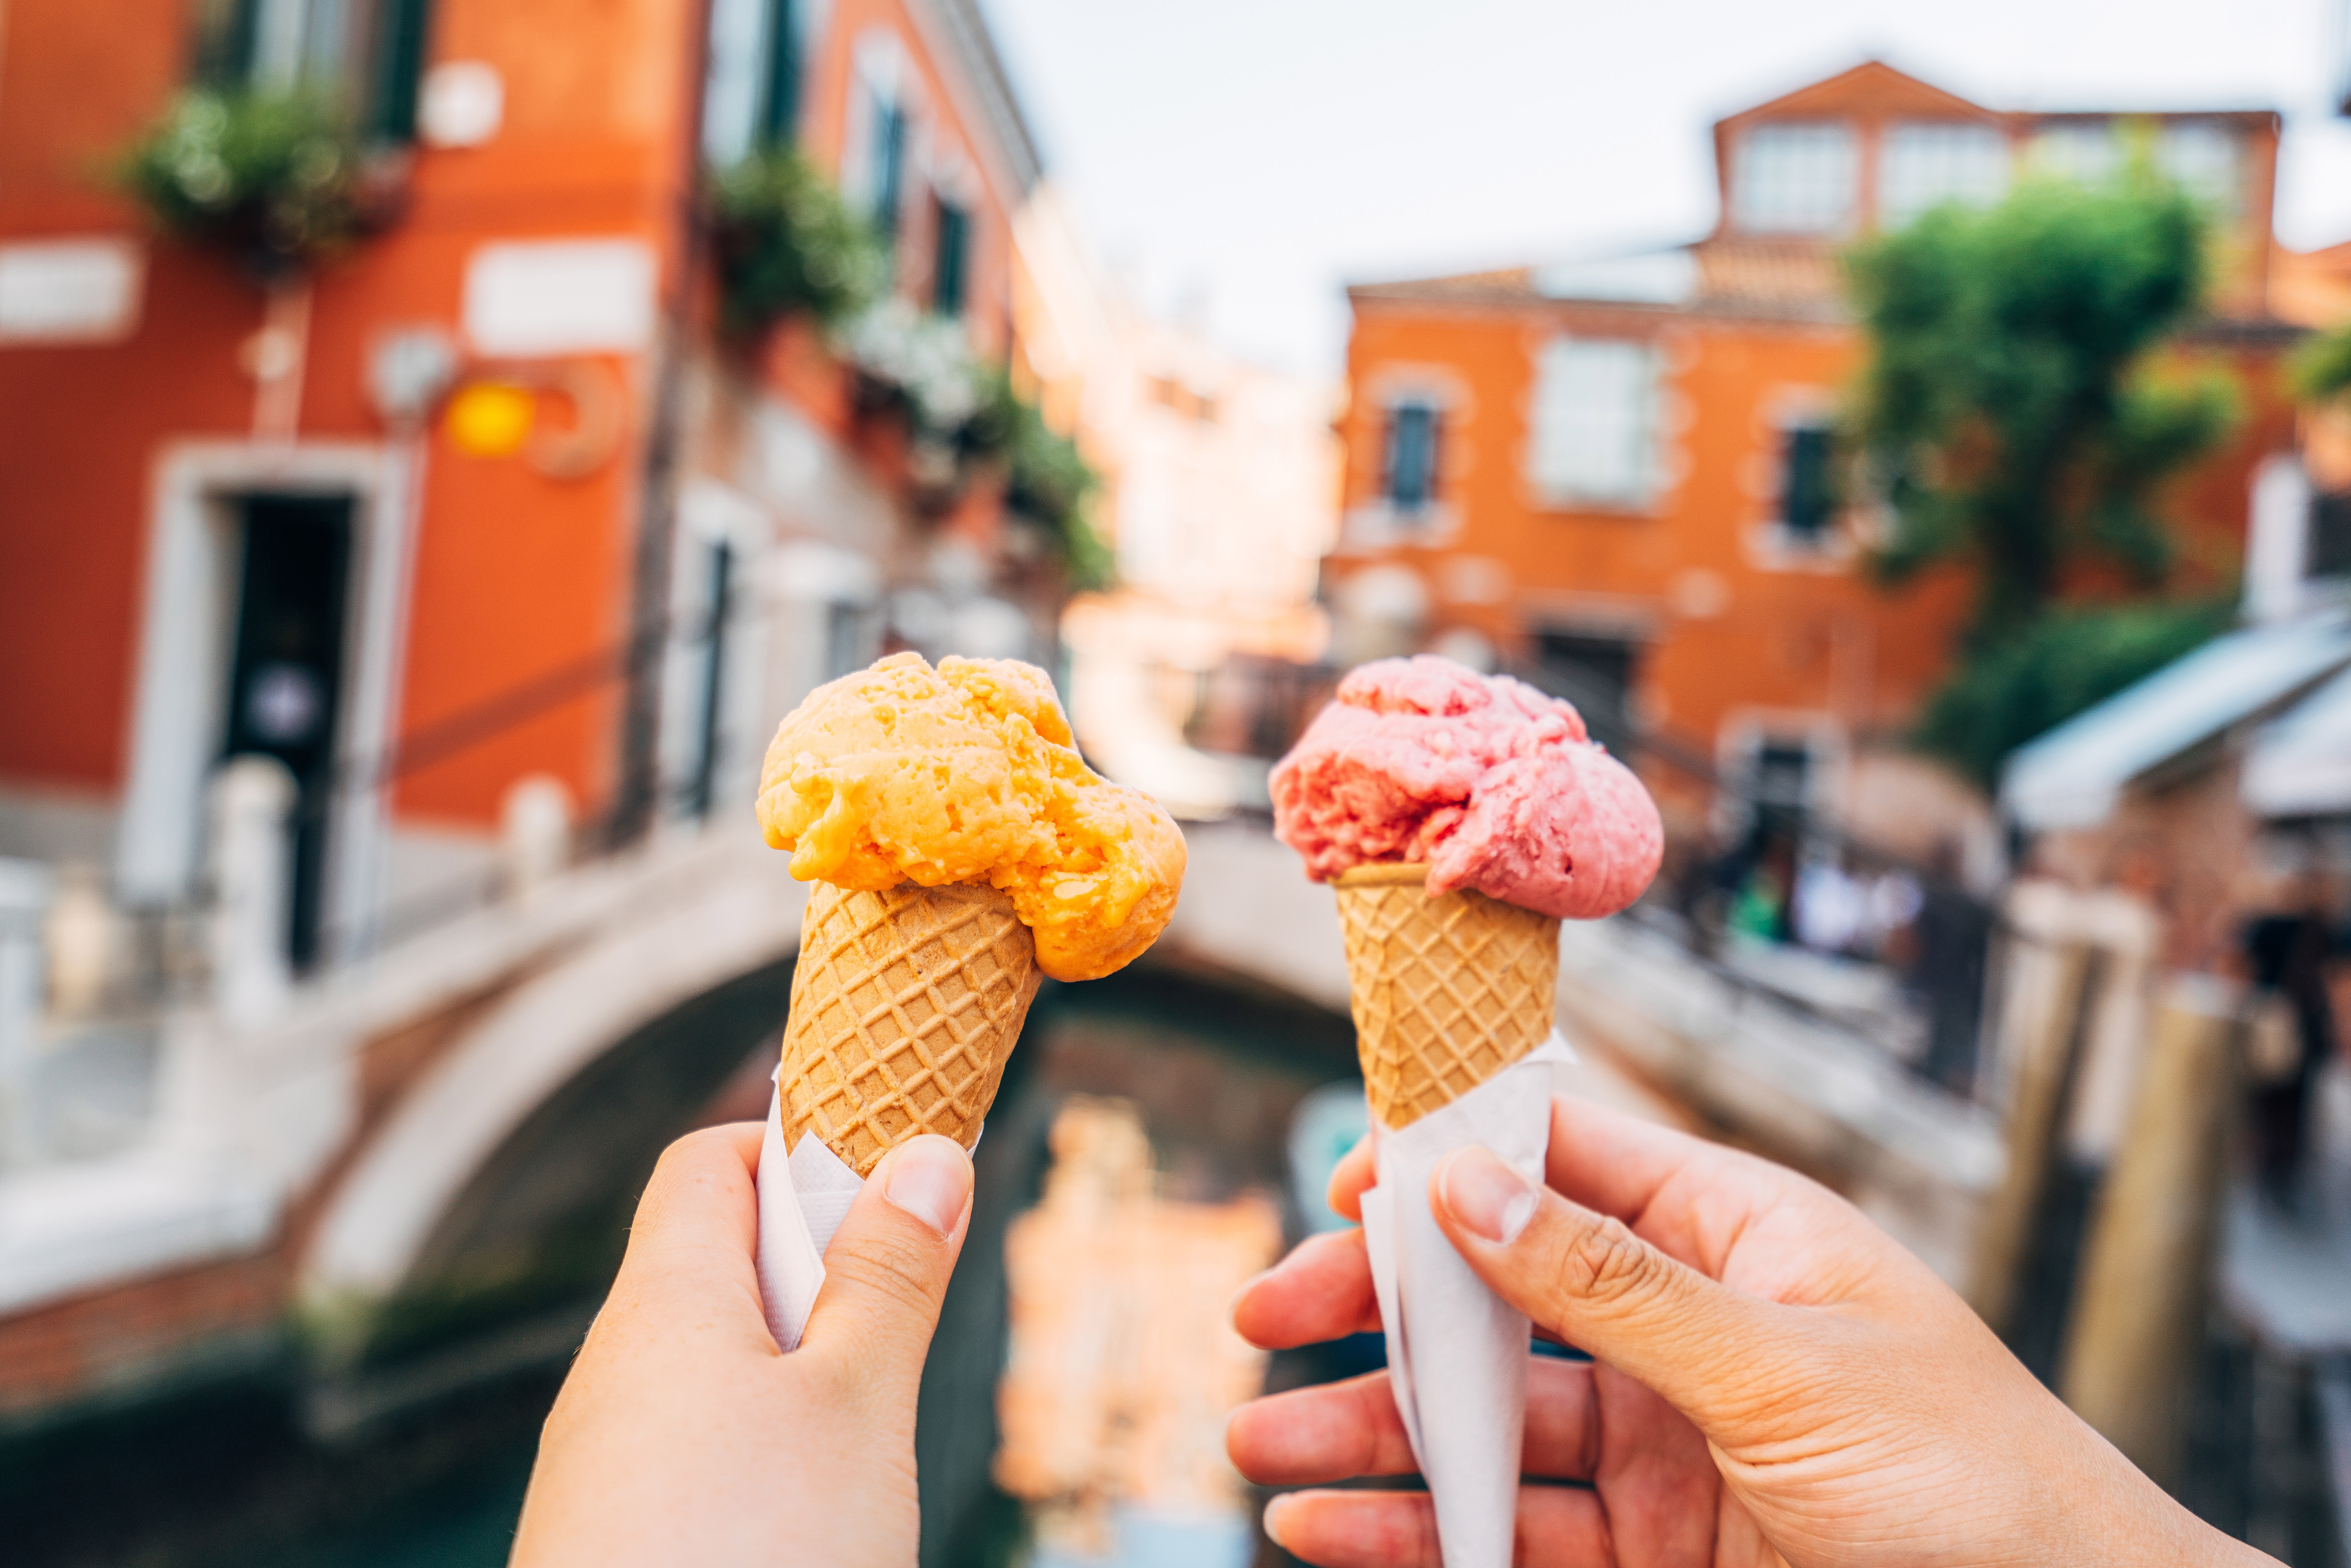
(1239, 160)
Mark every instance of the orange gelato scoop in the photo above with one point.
(967, 774)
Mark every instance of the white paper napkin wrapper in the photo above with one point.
(1457, 1353)
(803, 1197)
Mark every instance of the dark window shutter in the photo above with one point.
(1412, 436)
(1807, 495)
(890, 152)
(2329, 552)
(779, 102)
(224, 42)
(952, 261)
(397, 70)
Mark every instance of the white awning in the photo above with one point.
(2074, 775)
(2301, 765)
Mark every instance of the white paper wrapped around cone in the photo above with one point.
(803, 1197)
(1457, 1353)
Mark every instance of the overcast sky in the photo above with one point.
(1242, 159)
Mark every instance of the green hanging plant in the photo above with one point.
(2320, 370)
(275, 179)
(785, 243)
(1047, 480)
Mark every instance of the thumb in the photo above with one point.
(1589, 1280)
(886, 1270)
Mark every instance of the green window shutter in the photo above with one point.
(1808, 492)
(890, 153)
(397, 71)
(224, 42)
(950, 262)
(779, 104)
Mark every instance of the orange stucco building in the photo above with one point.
(236, 517)
(1616, 467)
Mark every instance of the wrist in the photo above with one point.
(2133, 1521)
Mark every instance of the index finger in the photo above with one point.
(1356, 1171)
(694, 1234)
(1616, 1164)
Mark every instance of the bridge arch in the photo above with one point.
(459, 1201)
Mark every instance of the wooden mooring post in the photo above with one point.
(2138, 1321)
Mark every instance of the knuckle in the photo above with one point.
(680, 1157)
(896, 1272)
(1607, 1265)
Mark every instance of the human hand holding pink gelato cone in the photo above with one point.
(1459, 817)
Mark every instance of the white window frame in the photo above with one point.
(1757, 178)
(1378, 523)
(1551, 411)
(186, 625)
(2088, 152)
(1936, 153)
(740, 56)
(2175, 153)
(1739, 746)
(1771, 544)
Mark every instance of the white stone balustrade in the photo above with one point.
(534, 835)
(25, 889)
(252, 859)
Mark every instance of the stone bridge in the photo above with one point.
(439, 1136)
(412, 1174)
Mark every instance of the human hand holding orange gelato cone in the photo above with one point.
(961, 849)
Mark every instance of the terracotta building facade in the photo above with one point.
(1617, 468)
(450, 476)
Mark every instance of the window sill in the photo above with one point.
(1377, 524)
(1642, 510)
(1774, 547)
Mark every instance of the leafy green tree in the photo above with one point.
(2011, 416)
(2064, 662)
(2007, 409)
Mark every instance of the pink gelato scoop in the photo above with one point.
(1494, 785)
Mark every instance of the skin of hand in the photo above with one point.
(683, 1436)
(1776, 1381)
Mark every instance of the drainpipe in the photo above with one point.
(638, 797)
(276, 356)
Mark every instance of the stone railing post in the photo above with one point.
(251, 867)
(534, 834)
(26, 887)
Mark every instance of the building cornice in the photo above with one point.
(960, 27)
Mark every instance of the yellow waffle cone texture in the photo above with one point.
(905, 1005)
(1448, 991)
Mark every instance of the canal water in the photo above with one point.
(224, 1472)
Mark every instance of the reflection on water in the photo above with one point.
(1195, 1159)
(1122, 1365)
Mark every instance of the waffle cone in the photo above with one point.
(905, 1005)
(1447, 990)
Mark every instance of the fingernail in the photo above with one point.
(1493, 1201)
(930, 1178)
(1274, 1509)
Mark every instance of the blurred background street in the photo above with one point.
(440, 439)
